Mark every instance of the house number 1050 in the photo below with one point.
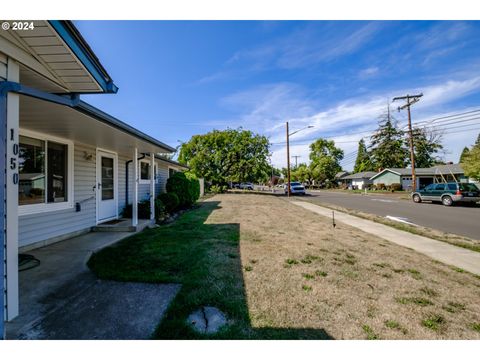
(13, 159)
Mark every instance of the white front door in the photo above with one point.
(106, 186)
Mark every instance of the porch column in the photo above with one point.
(135, 188)
(152, 186)
(11, 194)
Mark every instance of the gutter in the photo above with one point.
(73, 101)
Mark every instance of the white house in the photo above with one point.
(68, 165)
(359, 180)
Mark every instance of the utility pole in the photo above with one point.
(296, 160)
(411, 99)
(288, 154)
(288, 163)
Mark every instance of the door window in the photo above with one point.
(107, 178)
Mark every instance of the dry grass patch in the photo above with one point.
(310, 275)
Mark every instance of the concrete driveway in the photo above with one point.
(458, 219)
(62, 299)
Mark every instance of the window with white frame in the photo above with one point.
(45, 177)
(145, 172)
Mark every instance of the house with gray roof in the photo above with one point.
(425, 176)
(359, 180)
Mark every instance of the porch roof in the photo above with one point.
(86, 124)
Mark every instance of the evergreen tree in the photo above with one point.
(363, 161)
(387, 144)
(425, 144)
(464, 154)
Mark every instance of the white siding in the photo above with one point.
(3, 67)
(43, 226)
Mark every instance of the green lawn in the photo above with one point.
(204, 258)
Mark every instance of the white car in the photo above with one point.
(295, 188)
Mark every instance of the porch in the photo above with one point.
(61, 276)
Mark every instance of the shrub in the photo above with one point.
(395, 187)
(143, 210)
(170, 201)
(194, 187)
(159, 208)
(187, 188)
(381, 186)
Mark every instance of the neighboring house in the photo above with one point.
(70, 165)
(425, 176)
(339, 177)
(359, 180)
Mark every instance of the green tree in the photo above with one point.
(464, 154)
(232, 155)
(426, 145)
(325, 160)
(302, 173)
(363, 161)
(471, 164)
(387, 144)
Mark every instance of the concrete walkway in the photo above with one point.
(63, 278)
(446, 253)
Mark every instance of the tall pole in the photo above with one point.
(288, 163)
(296, 159)
(412, 152)
(411, 99)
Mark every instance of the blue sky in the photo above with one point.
(181, 78)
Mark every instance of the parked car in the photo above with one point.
(295, 188)
(246, 186)
(448, 193)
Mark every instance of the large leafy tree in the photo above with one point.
(302, 173)
(426, 144)
(471, 162)
(387, 144)
(232, 155)
(363, 161)
(325, 160)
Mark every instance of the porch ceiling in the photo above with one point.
(47, 61)
(72, 124)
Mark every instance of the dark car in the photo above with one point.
(448, 193)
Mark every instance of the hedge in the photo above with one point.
(170, 200)
(186, 188)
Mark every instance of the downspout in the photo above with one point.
(126, 177)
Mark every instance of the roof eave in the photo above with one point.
(72, 37)
(109, 119)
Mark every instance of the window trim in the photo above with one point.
(48, 207)
(140, 180)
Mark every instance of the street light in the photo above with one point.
(288, 154)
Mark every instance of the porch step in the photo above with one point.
(121, 225)
(109, 228)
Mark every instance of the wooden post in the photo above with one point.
(135, 188)
(288, 163)
(152, 186)
(11, 187)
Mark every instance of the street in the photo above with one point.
(457, 219)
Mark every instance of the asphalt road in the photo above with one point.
(458, 219)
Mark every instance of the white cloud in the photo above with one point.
(368, 72)
(268, 107)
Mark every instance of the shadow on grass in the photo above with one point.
(205, 259)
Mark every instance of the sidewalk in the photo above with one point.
(446, 253)
(62, 292)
